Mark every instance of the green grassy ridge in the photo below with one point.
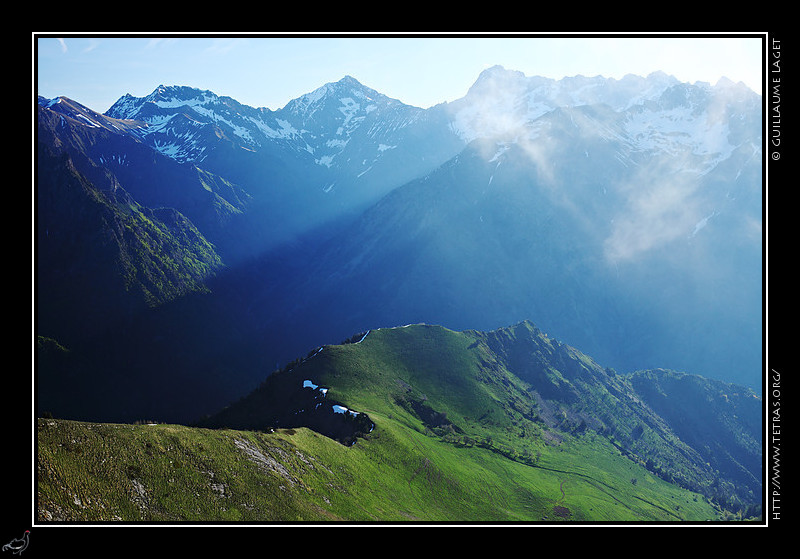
(514, 391)
(451, 427)
(117, 472)
(169, 473)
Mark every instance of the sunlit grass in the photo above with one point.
(485, 457)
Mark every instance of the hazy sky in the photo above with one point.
(264, 71)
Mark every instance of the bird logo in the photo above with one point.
(18, 545)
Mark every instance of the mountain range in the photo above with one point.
(190, 249)
(187, 244)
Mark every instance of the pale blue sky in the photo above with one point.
(269, 71)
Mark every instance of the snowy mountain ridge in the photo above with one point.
(177, 119)
(657, 112)
(654, 113)
(345, 145)
(319, 123)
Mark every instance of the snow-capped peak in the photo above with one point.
(182, 120)
(656, 112)
(178, 96)
(653, 112)
(507, 102)
(348, 88)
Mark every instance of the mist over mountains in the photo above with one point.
(187, 245)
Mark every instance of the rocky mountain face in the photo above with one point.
(100, 252)
(327, 154)
(623, 216)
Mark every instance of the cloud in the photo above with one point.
(491, 107)
(92, 44)
(660, 206)
(158, 42)
(224, 45)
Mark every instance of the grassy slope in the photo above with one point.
(92, 472)
(449, 372)
(460, 469)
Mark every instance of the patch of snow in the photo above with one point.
(678, 129)
(702, 223)
(341, 409)
(325, 160)
(89, 121)
(364, 337)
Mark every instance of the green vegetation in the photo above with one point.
(94, 239)
(102, 472)
(450, 427)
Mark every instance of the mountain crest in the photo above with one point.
(177, 94)
(347, 95)
(163, 98)
(473, 386)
